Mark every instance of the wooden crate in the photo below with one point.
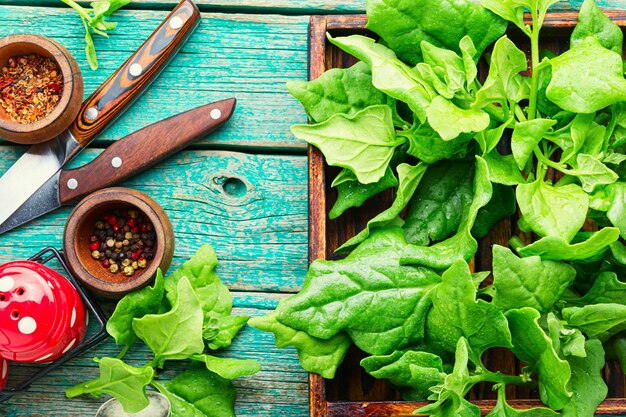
(354, 393)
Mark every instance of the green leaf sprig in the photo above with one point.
(95, 21)
(183, 317)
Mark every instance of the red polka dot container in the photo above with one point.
(41, 315)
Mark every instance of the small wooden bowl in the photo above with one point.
(66, 110)
(79, 228)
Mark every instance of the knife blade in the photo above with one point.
(41, 162)
(123, 159)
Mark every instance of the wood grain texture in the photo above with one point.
(280, 389)
(298, 6)
(251, 208)
(249, 57)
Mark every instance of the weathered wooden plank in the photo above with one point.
(280, 389)
(249, 57)
(251, 208)
(296, 6)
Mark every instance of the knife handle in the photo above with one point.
(139, 150)
(136, 74)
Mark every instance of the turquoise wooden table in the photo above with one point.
(243, 189)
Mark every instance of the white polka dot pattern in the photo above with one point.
(6, 283)
(27, 325)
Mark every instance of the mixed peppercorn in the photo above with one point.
(123, 241)
(30, 87)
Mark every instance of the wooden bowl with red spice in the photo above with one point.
(41, 88)
(116, 239)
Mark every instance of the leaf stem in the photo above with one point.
(534, 51)
(498, 378)
(81, 10)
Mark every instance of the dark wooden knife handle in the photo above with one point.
(142, 149)
(136, 74)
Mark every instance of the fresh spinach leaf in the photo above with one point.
(456, 313)
(379, 303)
(404, 24)
(135, 305)
(510, 10)
(544, 207)
(592, 22)
(568, 341)
(534, 347)
(416, 370)
(198, 392)
(428, 146)
(345, 91)
(556, 249)
(526, 137)
(389, 74)
(319, 356)
(502, 409)
(588, 388)
(528, 282)
(176, 334)
(592, 172)
(228, 368)
(410, 176)
(599, 321)
(607, 288)
(502, 169)
(450, 121)
(436, 209)
(124, 382)
(599, 85)
(219, 332)
(501, 206)
(363, 143)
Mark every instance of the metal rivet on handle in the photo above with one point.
(91, 113)
(135, 70)
(72, 184)
(215, 114)
(176, 22)
(116, 162)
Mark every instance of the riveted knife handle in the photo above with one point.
(139, 150)
(136, 74)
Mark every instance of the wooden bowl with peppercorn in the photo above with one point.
(116, 239)
(41, 89)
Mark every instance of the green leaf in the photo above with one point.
(600, 321)
(417, 370)
(214, 296)
(441, 198)
(346, 91)
(124, 382)
(587, 385)
(319, 356)
(198, 392)
(501, 206)
(502, 409)
(607, 288)
(616, 211)
(557, 249)
(363, 143)
(389, 74)
(509, 10)
(569, 341)
(489, 139)
(410, 177)
(90, 49)
(456, 313)
(135, 305)
(584, 85)
(506, 63)
(469, 56)
(176, 334)
(404, 24)
(544, 207)
(462, 245)
(451, 121)
(351, 193)
(526, 137)
(502, 169)
(592, 22)
(228, 368)
(533, 346)
(528, 282)
(592, 172)
(220, 331)
(426, 144)
(369, 295)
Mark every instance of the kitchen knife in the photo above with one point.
(123, 159)
(43, 161)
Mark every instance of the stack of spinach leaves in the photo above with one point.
(178, 318)
(412, 116)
